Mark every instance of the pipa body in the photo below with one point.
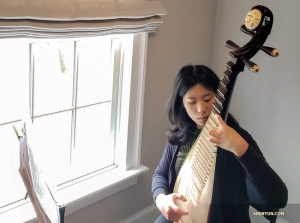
(195, 179)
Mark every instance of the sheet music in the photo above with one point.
(38, 187)
(42, 190)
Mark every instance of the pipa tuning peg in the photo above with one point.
(231, 45)
(270, 50)
(245, 30)
(253, 67)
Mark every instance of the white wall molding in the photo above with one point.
(280, 220)
(148, 215)
(262, 219)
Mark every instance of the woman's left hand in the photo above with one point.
(227, 138)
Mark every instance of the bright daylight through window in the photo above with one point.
(78, 93)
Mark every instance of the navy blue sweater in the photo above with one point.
(230, 202)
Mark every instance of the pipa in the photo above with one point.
(196, 177)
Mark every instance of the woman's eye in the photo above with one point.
(192, 102)
(207, 100)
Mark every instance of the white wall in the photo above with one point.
(267, 104)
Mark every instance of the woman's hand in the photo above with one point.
(166, 205)
(227, 138)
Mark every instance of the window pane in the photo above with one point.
(14, 80)
(11, 186)
(53, 77)
(53, 141)
(93, 146)
(94, 71)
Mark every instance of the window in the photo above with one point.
(85, 99)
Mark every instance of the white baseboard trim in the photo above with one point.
(138, 217)
(279, 220)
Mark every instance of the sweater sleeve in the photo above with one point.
(271, 189)
(160, 178)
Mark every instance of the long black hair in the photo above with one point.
(187, 77)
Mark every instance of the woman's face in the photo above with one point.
(198, 104)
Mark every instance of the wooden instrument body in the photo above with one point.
(196, 178)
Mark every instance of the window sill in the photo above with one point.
(80, 194)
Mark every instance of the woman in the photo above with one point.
(239, 159)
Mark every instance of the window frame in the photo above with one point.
(96, 186)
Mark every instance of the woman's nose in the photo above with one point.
(200, 108)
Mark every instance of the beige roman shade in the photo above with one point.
(77, 18)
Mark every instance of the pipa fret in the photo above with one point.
(220, 98)
(212, 121)
(219, 103)
(225, 82)
(226, 75)
(229, 66)
(195, 168)
(222, 89)
(197, 184)
(208, 155)
(194, 190)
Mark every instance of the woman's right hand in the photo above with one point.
(166, 205)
